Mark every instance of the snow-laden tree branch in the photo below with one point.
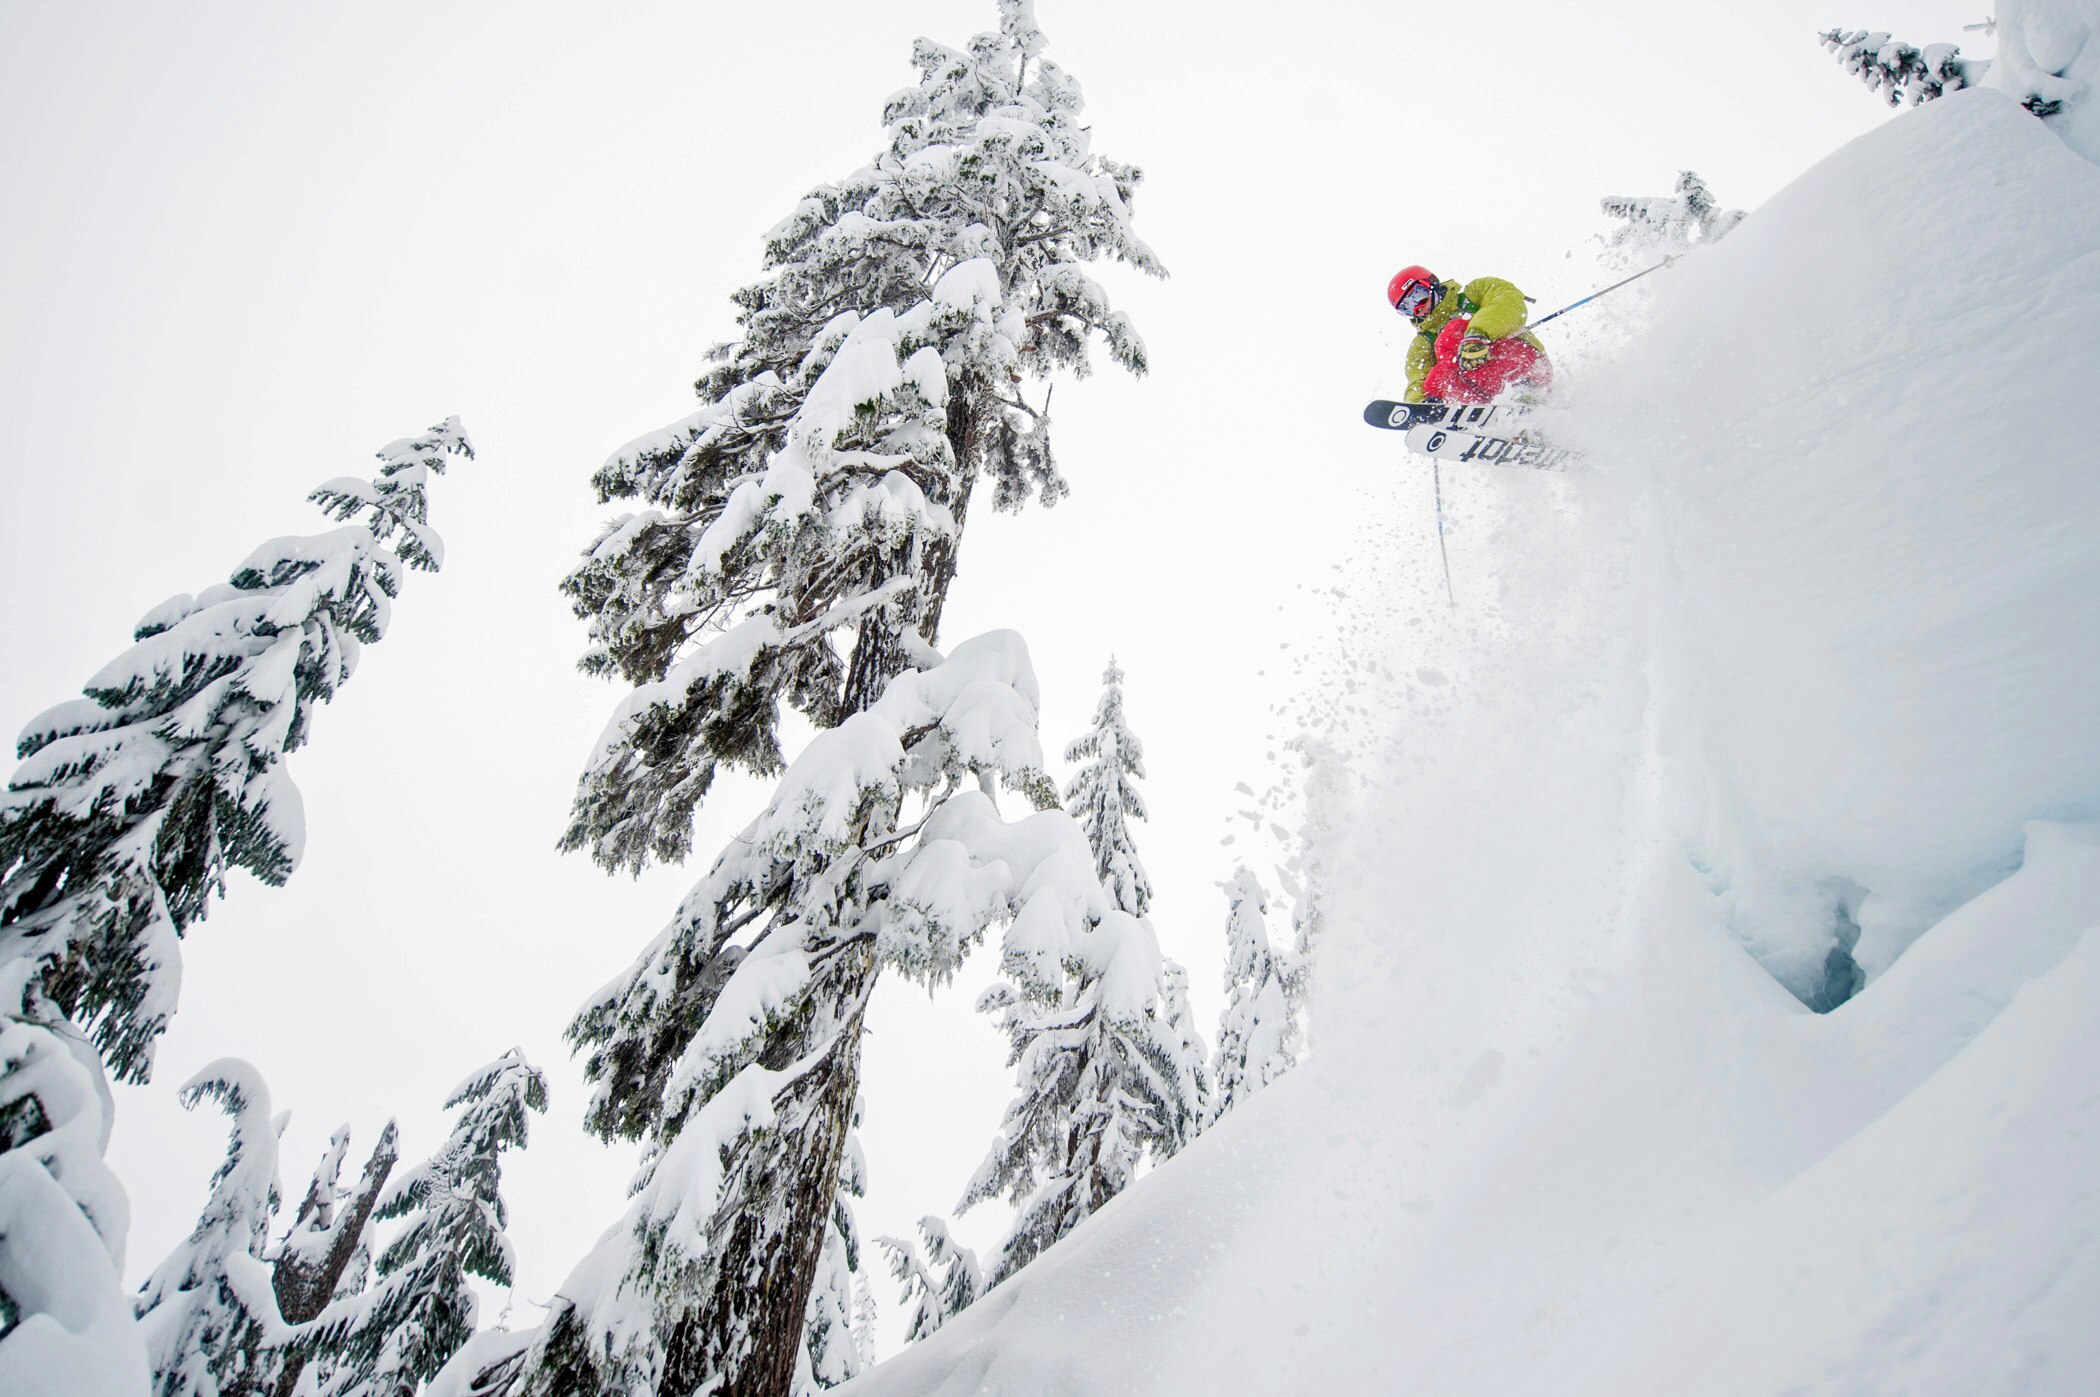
(933, 1300)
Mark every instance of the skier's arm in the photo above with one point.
(1421, 358)
(1500, 307)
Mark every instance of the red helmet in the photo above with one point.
(1413, 291)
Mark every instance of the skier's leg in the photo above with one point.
(1444, 385)
(1509, 361)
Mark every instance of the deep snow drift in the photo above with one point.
(1792, 694)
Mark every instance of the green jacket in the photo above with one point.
(1498, 312)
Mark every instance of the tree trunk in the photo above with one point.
(749, 1334)
(768, 1271)
(304, 1291)
(941, 564)
(814, 1197)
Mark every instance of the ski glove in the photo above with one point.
(1473, 351)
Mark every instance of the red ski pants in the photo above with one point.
(1509, 361)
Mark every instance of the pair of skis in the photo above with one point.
(1490, 434)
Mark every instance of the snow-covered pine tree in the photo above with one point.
(1652, 228)
(1898, 70)
(131, 803)
(325, 1248)
(127, 809)
(2044, 62)
(1104, 800)
(1104, 1080)
(819, 495)
(933, 1300)
(1110, 1066)
(1186, 1054)
(828, 1353)
(394, 1336)
(208, 1311)
(1258, 1030)
(864, 1317)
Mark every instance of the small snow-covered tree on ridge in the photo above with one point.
(864, 1317)
(1106, 1077)
(1258, 1030)
(2046, 61)
(397, 1334)
(816, 501)
(1898, 70)
(1109, 1066)
(1653, 228)
(1103, 798)
(933, 1300)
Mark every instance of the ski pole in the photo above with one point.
(1605, 292)
(1436, 477)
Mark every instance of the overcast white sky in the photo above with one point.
(246, 244)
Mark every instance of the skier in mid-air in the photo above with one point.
(1470, 343)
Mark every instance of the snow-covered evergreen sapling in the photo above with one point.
(1650, 229)
(396, 1334)
(131, 803)
(1900, 71)
(1258, 1030)
(933, 1299)
(209, 1312)
(1109, 1073)
(818, 498)
(864, 1316)
(2044, 62)
(1103, 798)
(1109, 1065)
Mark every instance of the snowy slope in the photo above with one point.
(1875, 486)
(1816, 641)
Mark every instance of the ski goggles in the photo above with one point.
(1416, 300)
